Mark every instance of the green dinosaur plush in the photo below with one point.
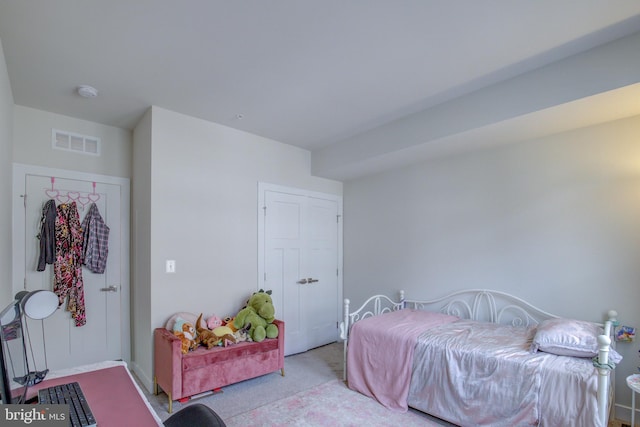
(259, 313)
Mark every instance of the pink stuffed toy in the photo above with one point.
(213, 322)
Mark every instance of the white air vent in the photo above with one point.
(83, 144)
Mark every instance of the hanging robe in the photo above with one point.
(68, 281)
(47, 235)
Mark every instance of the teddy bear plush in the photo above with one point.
(187, 334)
(259, 314)
(205, 336)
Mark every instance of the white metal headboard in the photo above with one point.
(375, 305)
(489, 306)
(485, 305)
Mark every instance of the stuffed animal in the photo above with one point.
(225, 335)
(213, 322)
(227, 340)
(259, 313)
(243, 334)
(187, 334)
(206, 337)
(228, 321)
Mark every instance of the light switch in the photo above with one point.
(171, 266)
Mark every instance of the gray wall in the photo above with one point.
(141, 339)
(554, 220)
(195, 197)
(6, 138)
(32, 143)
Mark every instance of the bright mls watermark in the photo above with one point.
(34, 415)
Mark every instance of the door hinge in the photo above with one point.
(264, 210)
(337, 272)
(24, 200)
(338, 218)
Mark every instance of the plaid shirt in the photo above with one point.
(96, 240)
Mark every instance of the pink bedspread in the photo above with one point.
(380, 354)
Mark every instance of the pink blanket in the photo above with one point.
(380, 354)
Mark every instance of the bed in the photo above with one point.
(480, 357)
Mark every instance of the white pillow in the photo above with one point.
(189, 317)
(567, 337)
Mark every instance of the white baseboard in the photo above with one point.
(144, 379)
(623, 413)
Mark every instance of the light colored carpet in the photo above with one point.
(304, 372)
(310, 380)
(329, 404)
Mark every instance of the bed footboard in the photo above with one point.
(604, 368)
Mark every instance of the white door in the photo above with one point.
(300, 250)
(106, 333)
(323, 297)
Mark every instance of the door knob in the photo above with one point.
(112, 288)
(310, 280)
(302, 281)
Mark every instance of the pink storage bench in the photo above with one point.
(183, 375)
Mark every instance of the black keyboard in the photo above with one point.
(71, 394)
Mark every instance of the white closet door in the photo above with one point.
(301, 253)
(106, 295)
(322, 263)
(285, 265)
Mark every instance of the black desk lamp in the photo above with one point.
(37, 305)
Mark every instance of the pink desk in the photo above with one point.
(114, 398)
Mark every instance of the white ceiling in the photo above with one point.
(308, 73)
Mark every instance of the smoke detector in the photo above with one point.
(86, 91)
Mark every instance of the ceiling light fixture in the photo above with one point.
(86, 91)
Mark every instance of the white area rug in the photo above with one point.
(329, 404)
